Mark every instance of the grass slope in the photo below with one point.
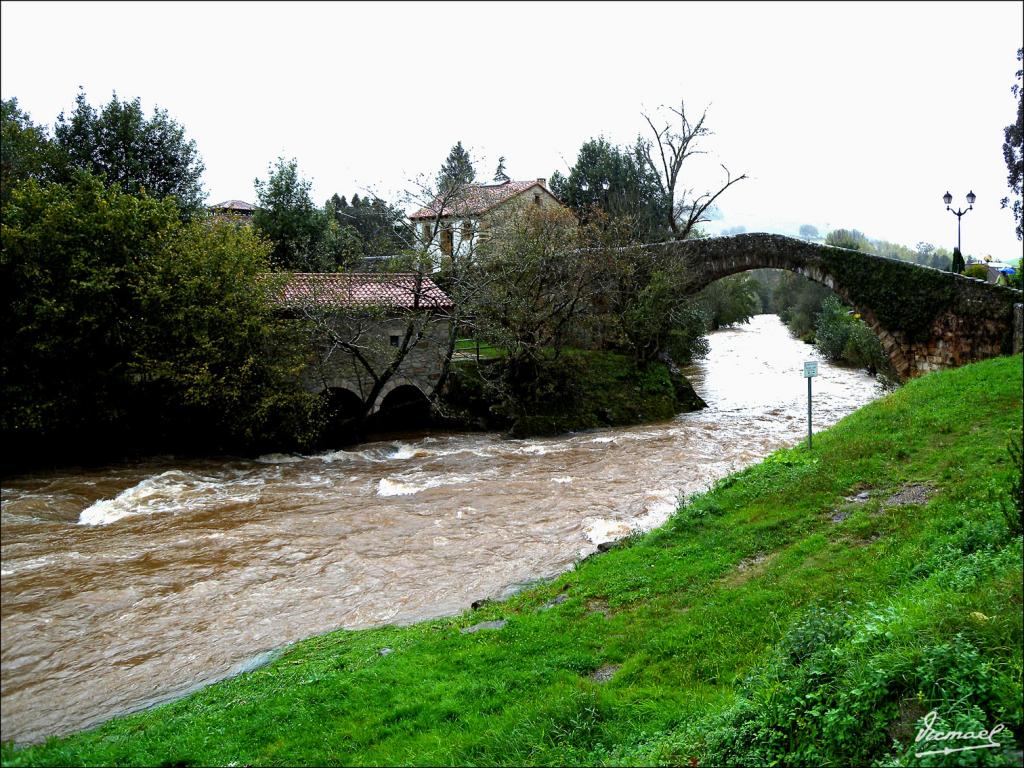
(771, 620)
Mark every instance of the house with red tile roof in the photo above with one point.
(451, 224)
(235, 211)
(361, 290)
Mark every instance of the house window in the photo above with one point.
(395, 340)
(536, 198)
(467, 231)
(446, 239)
(425, 229)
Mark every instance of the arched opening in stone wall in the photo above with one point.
(344, 413)
(925, 318)
(788, 293)
(403, 408)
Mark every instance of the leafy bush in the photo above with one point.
(979, 271)
(128, 330)
(1013, 507)
(842, 337)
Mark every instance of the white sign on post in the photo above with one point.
(810, 371)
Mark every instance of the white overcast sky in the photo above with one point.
(857, 115)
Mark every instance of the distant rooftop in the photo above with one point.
(234, 206)
(476, 199)
(347, 290)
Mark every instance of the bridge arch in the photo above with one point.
(344, 413)
(925, 318)
(402, 405)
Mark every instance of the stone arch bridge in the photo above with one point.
(926, 318)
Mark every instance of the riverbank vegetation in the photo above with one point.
(812, 609)
(582, 389)
(130, 330)
(137, 322)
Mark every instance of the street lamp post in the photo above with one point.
(947, 199)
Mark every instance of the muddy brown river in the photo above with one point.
(133, 584)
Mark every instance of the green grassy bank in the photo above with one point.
(810, 610)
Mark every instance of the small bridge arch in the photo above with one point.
(926, 319)
(402, 405)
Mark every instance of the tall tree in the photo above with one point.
(617, 182)
(808, 232)
(126, 328)
(1013, 152)
(375, 227)
(25, 149)
(853, 239)
(499, 174)
(119, 143)
(675, 140)
(457, 170)
(286, 216)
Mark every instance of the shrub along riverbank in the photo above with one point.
(582, 389)
(810, 610)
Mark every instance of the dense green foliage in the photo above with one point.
(617, 182)
(120, 144)
(730, 300)
(25, 148)
(795, 299)
(499, 173)
(126, 330)
(1013, 505)
(978, 271)
(301, 233)
(773, 620)
(457, 170)
(1013, 152)
(958, 262)
(580, 390)
(558, 299)
(843, 337)
(922, 294)
(800, 302)
(366, 229)
(852, 239)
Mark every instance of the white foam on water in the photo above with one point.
(280, 458)
(332, 456)
(172, 491)
(660, 507)
(405, 451)
(404, 486)
(562, 480)
(603, 440)
(389, 487)
(536, 450)
(600, 529)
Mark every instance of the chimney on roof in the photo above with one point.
(543, 182)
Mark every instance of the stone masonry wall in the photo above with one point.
(421, 367)
(976, 319)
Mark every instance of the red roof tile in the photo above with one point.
(363, 289)
(475, 199)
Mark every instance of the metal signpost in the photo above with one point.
(810, 371)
